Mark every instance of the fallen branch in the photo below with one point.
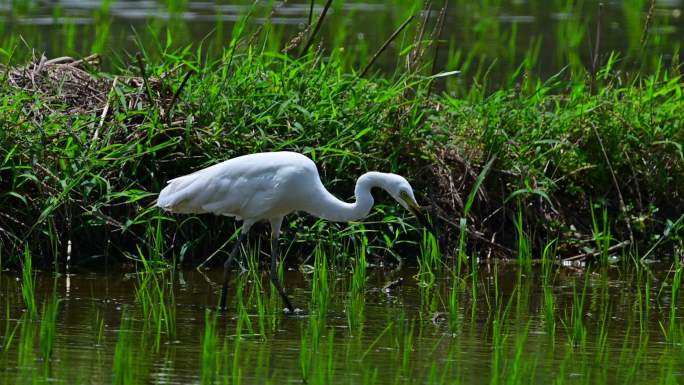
(597, 253)
(105, 110)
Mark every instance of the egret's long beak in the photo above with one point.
(415, 210)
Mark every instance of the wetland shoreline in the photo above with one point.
(84, 153)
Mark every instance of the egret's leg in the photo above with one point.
(275, 235)
(229, 262)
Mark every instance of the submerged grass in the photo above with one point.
(321, 290)
(355, 308)
(156, 297)
(28, 284)
(26, 357)
(549, 303)
(48, 326)
(124, 362)
(209, 357)
(508, 327)
(671, 328)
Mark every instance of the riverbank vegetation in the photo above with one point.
(589, 157)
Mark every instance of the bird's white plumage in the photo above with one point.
(269, 186)
(256, 186)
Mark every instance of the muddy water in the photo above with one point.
(500, 330)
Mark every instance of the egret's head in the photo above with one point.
(400, 189)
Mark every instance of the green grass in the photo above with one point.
(28, 284)
(574, 321)
(601, 231)
(28, 371)
(321, 282)
(511, 161)
(509, 326)
(209, 357)
(670, 327)
(551, 143)
(156, 298)
(355, 308)
(124, 361)
(523, 240)
(549, 304)
(430, 258)
(48, 326)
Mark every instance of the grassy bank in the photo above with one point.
(593, 160)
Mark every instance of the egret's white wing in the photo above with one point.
(256, 186)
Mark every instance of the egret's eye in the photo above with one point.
(404, 194)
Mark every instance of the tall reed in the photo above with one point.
(209, 357)
(28, 284)
(48, 325)
(124, 360)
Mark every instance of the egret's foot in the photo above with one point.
(295, 312)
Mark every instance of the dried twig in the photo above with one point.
(413, 57)
(175, 96)
(105, 110)
(61, 80)
(479, 236)
(623, 207)
(596, 253)
(594, 61)
(437, 34)
(647, 24)
(93, 59)
(139, 57)
(384, 46)
(36, 69)
(316, 29)
(311, 9)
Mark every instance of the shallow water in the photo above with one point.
(401, 336)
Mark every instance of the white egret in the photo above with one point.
(268, 186)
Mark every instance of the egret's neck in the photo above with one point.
(333, 209)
